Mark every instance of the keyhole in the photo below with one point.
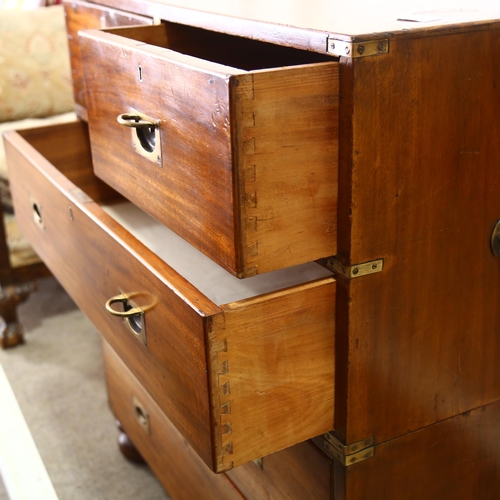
(139, 71)
(37, 214)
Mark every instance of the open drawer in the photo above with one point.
(242, 368)
(230, 142)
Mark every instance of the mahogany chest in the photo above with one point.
(283, 221)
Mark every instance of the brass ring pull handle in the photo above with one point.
(135, 120)
(133, 316)
(124, 298)
(123, 314)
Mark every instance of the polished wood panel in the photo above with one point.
(421, 337)
(248, 168)
(299, 472)
(223, 375)
(305, 25)
(272, 365)
(458, 459)
(174, 462)
(84, 15)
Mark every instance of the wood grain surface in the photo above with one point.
(256, 371)
(255, 189)
(94, 258)
(82, 15)
(286, 125)
(273, 371)
(457, 459)
(183, 474)
(420, 338)
(306, 25)
(299, 472)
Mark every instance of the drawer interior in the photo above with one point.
(218, 285)
(221, 48)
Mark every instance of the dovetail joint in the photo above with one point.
(224, 406)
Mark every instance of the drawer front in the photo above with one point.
(239, 380)
(83, 15)
(242, 164)
(183, 474)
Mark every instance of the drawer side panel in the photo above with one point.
(287, 133)
(272, 365)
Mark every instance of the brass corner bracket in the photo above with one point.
(355, 50)
(350, 454)
(357, 270)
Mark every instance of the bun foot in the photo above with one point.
(128, 449)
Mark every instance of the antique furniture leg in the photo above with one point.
(15, 287)
(128, 449)
(11, 331)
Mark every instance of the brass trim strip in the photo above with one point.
(357, 270)
(348, 449)
(347, 455)
(355, 50)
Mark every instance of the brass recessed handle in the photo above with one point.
(136, 120)
(141, 414)
(132, 314)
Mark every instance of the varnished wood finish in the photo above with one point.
(84, 15)
(304, 25)
(422, 335)
(223, 375)
(272, 371)
(176, 465)
(297, 473)
(245, 155)
(457, 459)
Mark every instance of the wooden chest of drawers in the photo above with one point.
(373, 145)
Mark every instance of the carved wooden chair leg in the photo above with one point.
(128, 449)
(11, 331)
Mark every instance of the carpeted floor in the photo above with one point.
(58, 379)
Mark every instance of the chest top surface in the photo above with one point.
(359, 18)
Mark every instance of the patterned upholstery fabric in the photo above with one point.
(35, 82)
(35, 75)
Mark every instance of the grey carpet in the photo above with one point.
(58, 379)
